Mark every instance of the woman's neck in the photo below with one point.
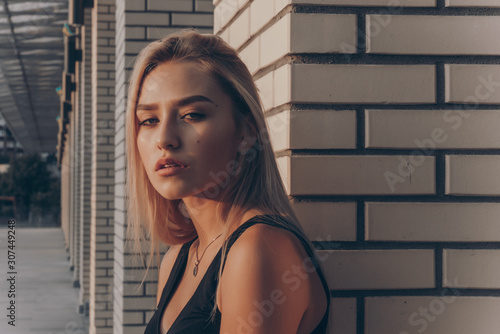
(202, 212)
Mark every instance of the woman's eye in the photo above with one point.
(149, 121)
(193, 116)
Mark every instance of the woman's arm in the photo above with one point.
(264, 286)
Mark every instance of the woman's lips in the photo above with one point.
(169, 171)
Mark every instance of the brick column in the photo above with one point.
(102, 168)
(384, 116)
(76, 177)
(65, 197)
(139, 23)
(86, 157)
(71, 184)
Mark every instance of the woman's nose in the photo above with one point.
(167, 135)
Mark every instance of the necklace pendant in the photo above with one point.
(195, 269)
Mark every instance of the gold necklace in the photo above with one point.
(197, 262)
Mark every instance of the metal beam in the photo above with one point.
(18, 55)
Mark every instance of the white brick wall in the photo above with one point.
(86, 151)
(457, 35)
(309, 129)
(414, 221)
(433, 129)
(385, 116)
(363, 84)
(433, 314)
(382, 3)
(362, 175)
(473, 175)
(472, 3)
(472, 84)
(102, 224)
(343, 315)
(136, 27)
(379, 269)
(475, 268)
(326, 221)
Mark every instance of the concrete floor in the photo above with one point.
(45, 300)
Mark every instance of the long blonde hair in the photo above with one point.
(257, 185)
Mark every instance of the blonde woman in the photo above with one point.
(203, 179)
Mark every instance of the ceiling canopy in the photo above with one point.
(31, 65)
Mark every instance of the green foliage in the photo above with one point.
(30, 181)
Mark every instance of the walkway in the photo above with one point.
(45, 300)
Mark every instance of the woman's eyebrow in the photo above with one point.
(179, 103)
(145, 107)
(192, 99)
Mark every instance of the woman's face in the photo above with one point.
(184, 115)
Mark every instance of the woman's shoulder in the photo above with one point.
(265, 235)
(269, 263)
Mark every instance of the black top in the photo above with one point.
(195, 316)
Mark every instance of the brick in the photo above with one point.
(261, 12)
(472, 84)
(106, 17)
(432, 222)
(204, 6)
(313, 129)
(283, 164)
(471, 268)
(379, 269)
(194, 20)
(141, 303)
(170, 5)
(132, 289)
(250, 55)
(135, 32)
(472, 3)
(135, 4)
(356, 175)
(432, 129)
(342, 315)
(147, 18)
(327, 220)
(391, 5)
(135, 47)
(472, 175)
(432, 314)
(225, 10)
(279, 130)
(279, 5)
(132, 318)
(239, 30)
(383, 84)
(275, 41)
(323, 129)
(224, 34)
(332, 33)
(217, 20)
(152, 289)
(455, 35)
(265, 85)
(154, 33)
(282, 87)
